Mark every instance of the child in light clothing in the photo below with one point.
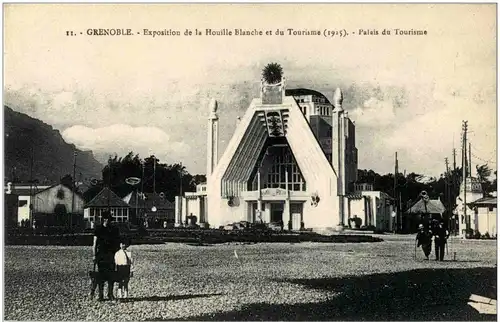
(124, 268)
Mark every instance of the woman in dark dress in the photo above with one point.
(106, 243)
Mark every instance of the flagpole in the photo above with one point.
(180, 193)
(143, 164)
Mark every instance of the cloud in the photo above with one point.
(120, 139)
(374, 113)
(418, 122)
(425, 140)
(405, 94)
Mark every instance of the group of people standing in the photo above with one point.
(435, 231)
(113, 259)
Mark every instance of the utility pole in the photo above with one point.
(470, 160)
(180, 193)
(143, 164)
(73, 188)
(447, 192)
(453, 183)
(446, 183)
(31, 186)
(396, 188)
(154, 176)
(154, 183)
(453, 173)
(466, 162)
(454, 159)
(464, 168)
(13, 176)
(109, 183)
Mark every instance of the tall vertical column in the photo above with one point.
(466, 224)
(178, 211)
(368, 209)
(343, 166)
(338, 150)
(286, 210)
(212, 137)
(184, 211)
(205, 209)
(267, 213)
(259, 199)
(201, 215)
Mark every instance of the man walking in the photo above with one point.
(424, 239)
(441, 235)
(106, 243)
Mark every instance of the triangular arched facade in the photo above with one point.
(232, 189)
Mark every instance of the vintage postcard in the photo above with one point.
(250, 161)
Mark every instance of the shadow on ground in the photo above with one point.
(168, 298)
(423, 294)
(199, 244)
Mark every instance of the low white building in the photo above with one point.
(484, 215)
(26, 196)
(192, 204)
(473, 191)
(373, 207)
(105, 200)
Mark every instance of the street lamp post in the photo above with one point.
(134, 181)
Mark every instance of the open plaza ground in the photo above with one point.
(303, 281)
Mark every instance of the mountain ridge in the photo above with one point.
(27, 138)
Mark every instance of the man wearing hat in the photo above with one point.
(106, 243)
(424, 239)
(441, 235)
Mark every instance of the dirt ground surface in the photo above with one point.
(306, 281)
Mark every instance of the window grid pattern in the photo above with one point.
(282, 161)
(119, 214)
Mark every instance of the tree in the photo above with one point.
(410, 186)
(483, 174)
(159, 177)
(91, 192)
(198, 179)
(67, 181)
(493, 186)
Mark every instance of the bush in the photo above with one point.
(472, 234)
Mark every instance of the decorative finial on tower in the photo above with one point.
(212, 107)
(212, 137)
(272, 73)
(338, 98)
(272, 84)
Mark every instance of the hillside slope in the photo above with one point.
(53, 157)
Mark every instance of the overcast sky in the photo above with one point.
(149, 95)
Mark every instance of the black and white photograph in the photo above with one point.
(250, 161)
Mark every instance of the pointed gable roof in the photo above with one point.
(241, 155)
(60, 186)
(101, 200)
(429, 207)
(484, 202)
(145, 200)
